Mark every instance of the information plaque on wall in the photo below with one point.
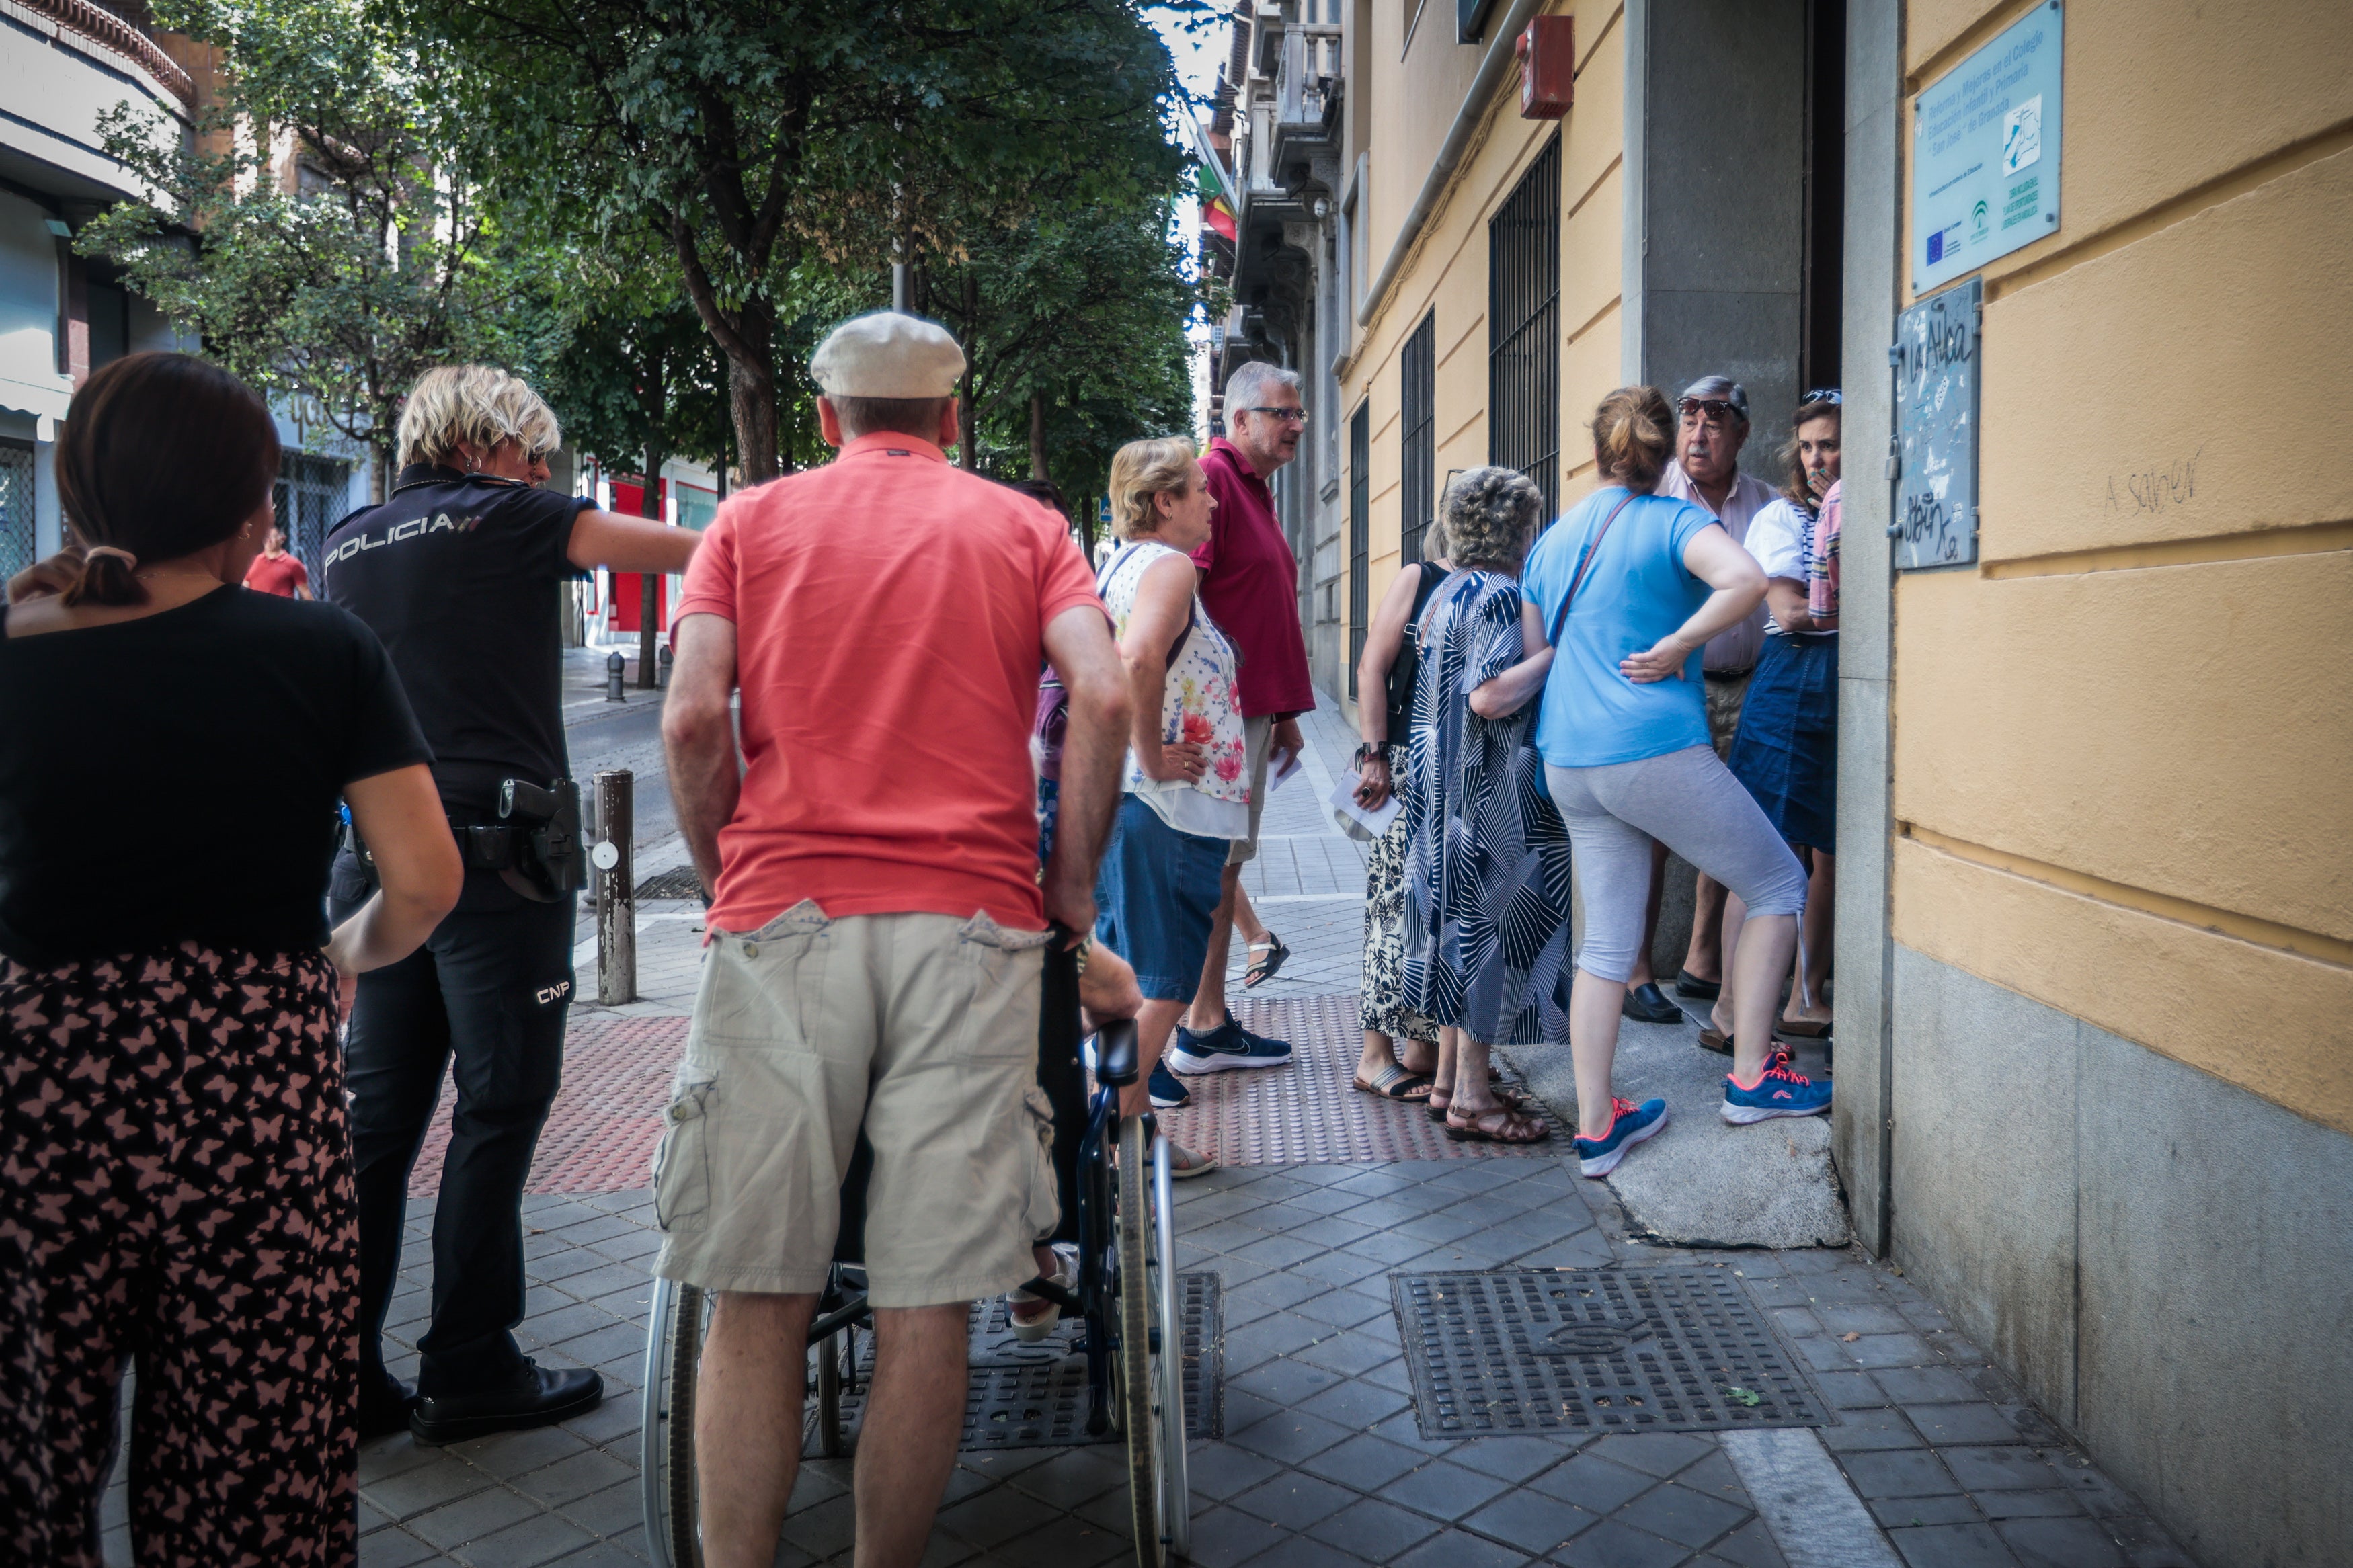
(1935, 358)
(1985, 146)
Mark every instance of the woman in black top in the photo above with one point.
(1393, 1029)
(176, 1179)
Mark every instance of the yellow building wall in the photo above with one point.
(1413, 94)
(2122, 740)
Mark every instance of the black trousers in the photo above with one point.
(485, 999)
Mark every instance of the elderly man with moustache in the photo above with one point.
(1249, 587)
(1711, 427)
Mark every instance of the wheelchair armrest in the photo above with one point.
(1115, 1054)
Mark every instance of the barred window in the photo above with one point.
(312, 494)
(15, 506)
(1523, 329)
(1419, 409)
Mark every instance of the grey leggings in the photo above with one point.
(1687, 800)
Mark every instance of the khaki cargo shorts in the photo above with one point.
(1258, 740)
(925, 1028)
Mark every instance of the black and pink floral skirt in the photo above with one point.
(175, 1194)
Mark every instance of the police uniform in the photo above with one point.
(461, 578)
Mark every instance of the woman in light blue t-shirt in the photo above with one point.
(1629, 585)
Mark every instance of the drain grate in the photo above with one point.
(1035, 1395)
(1595, 1350)
(678, 882)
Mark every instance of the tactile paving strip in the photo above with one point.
(1035, 1395)
(1306, 1112)
(607, 1116)
(1593, 1350)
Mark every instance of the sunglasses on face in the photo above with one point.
(1824, 395)
(1716, 410)
(1288, 415)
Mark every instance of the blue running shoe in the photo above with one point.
(1777, 1092)
(1225, 1048)
(1597, 1157)
(1166, 1093)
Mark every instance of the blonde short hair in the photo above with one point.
(480, 404)
(1160, 465)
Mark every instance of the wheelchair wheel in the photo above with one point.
(681, 1314)
(830, 1357)
(1132, 1393)
(1168, 1383)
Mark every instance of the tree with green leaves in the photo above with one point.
(324, 231)
(756, 138)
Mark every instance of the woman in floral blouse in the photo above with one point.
(1187, 789)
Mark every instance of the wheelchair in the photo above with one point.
(1115, 1174)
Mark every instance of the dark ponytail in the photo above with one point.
(161, 455)
(1633, 436)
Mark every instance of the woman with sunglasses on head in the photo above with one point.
(1787, 750)
(177, 1185)
(1628, 589)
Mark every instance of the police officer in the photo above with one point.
(461, 573)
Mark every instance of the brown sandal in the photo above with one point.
(1517, 1127)
(1504, 1097)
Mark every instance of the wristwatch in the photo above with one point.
(1372, 749)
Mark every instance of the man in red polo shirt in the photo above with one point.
(276, 572)
(878, 923)
(1249, 585)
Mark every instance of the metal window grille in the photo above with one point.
(1523, 329)
(15, 508)
(1360, 535)
(312, 492)
(1418, 407)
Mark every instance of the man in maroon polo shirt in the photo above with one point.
(1249, 587)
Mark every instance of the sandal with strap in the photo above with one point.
(1509, 1098)
(1518, 1126)
(1265, 968)
(1396, 1082)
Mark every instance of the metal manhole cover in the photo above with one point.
(1596, 1350)
(1035, 1395)
(679, 882)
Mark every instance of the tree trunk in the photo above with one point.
(1087, 527)
(380, 475)
(752, 394)
(650, 583)
(1038, 437)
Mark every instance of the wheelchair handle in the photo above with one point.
(1115, 1054)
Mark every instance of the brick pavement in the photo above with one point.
(1321, 1464)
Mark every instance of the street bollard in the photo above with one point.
(661, 667)
(614, 666)
(617, 890)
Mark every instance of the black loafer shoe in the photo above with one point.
(1646, 1004)
(542, 1398)
(1690, 984)
(385, 1408)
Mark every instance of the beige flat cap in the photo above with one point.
(886, 353)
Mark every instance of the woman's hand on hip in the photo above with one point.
(1373, 783)
(1664, 661)
(1180, 760)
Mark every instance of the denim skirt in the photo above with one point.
(1787, 751)
(1156, 894)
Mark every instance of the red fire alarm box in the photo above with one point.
(1548, 52)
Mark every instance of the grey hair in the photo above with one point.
(1250, 381)
(1491, 518)
(1722, 387)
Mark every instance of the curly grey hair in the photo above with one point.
(1491, 516)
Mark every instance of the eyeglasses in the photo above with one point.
(1829, 395)
(1716, 410)
(1288, 415)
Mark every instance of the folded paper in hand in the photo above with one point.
(1356, 821)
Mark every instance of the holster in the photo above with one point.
(546, 859)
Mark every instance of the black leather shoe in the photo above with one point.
(386, 1407)
(1646, 1004)
(1690, 984)
(542, 1398)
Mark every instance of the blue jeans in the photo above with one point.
(1156, 893)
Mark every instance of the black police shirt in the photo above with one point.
(173, 778)
(461, 576)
